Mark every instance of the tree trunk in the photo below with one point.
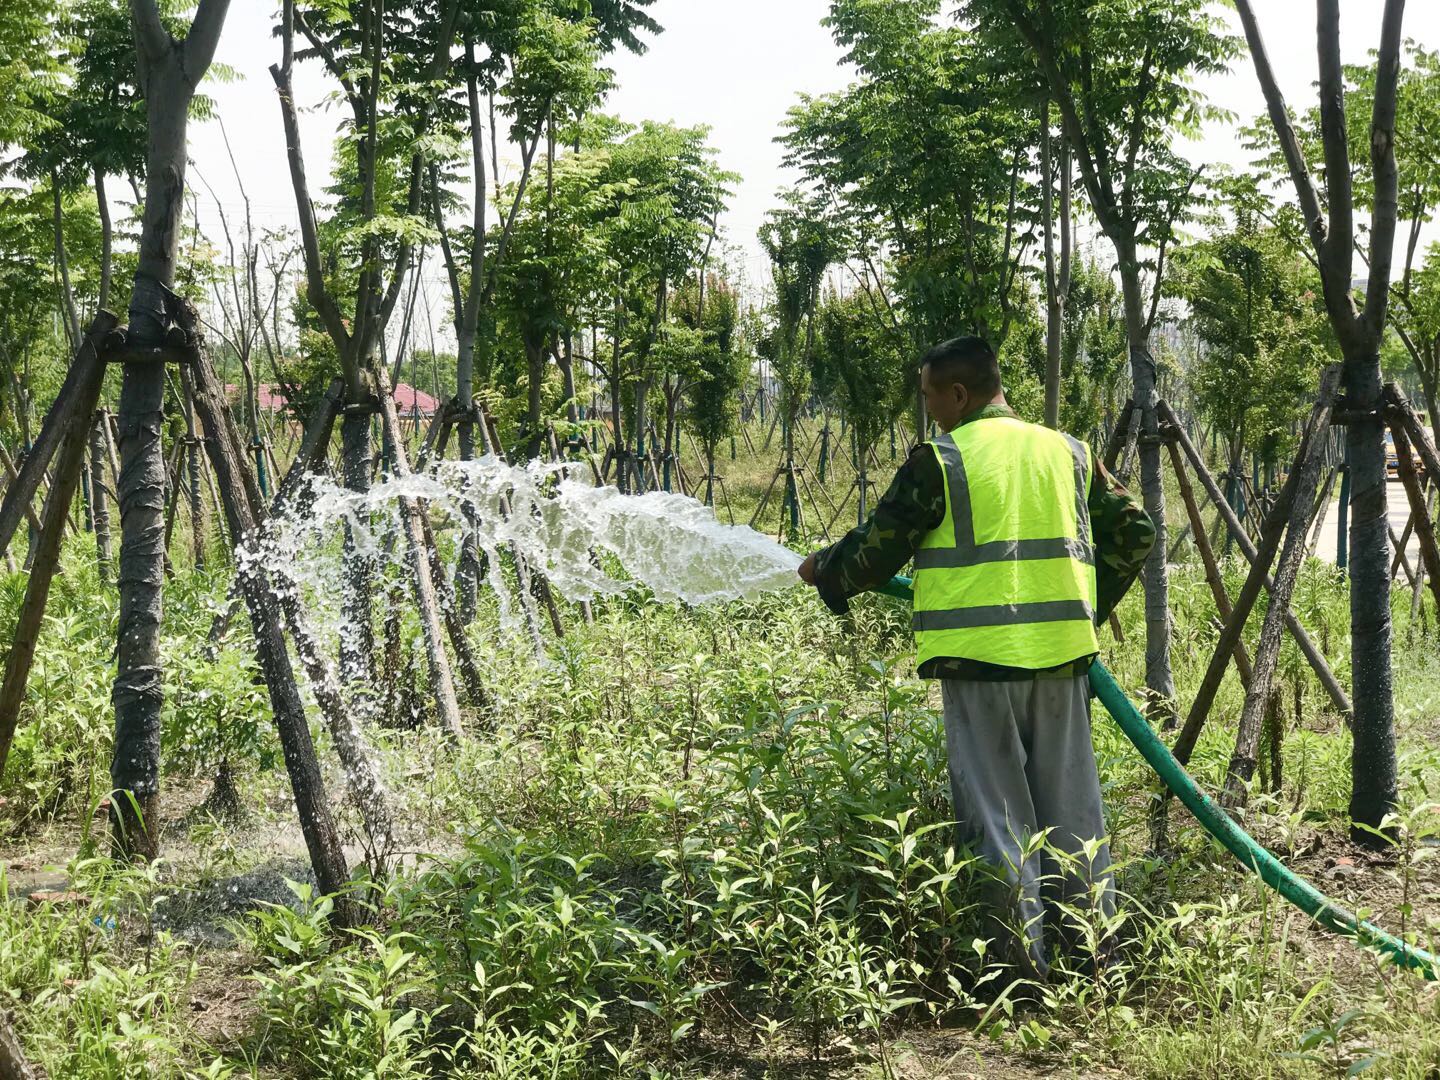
(135, 769)
(198, 530)
(357, 633)
(1057, 278)
(99, 503)
(565, 360)
(1373, 752)
(534, 412)
(102, 202)
(1159, 680)
(62, 264)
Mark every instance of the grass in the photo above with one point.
(695, 843)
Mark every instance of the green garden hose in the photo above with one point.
(1219, 824)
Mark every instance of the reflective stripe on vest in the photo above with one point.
(1021, 600)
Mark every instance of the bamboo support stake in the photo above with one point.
(442, 681)
(70, 447)
(454, 628)
(1207, 557)
(1424, 527)
(31, 518)
(87, 366)
(13, 1063)
(1249, 593)
(313, 446)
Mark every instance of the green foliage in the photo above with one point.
(801, 244)
(716, 369)
(924, 157)
(1255, 306)
(864, 363)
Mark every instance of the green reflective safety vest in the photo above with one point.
(1009, 576)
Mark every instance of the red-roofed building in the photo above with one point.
(408, 400)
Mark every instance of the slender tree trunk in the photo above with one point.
(102, 201)
(1159, 680)
(357, 635)
(1373, 768)
(198, 530)
(534, 414)
(565, 360)
(99, 503)
(62, 264)
(1057, 278)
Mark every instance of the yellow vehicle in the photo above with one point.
(1392, 460)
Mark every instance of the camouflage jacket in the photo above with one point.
(873, 553)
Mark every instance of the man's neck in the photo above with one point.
(998, 399)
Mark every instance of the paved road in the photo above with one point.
(1399, 515)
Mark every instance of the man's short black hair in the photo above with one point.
(968, 361)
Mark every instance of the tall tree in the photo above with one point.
(387, 73)
(169, 71)
(801, 243)
(927, 158)
(1255, 307)
(719, 366)
(1121, 74)
(867, 363)
(1359, 325)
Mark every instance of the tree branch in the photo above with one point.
(200, 43)
(327, 55)
(315, 291)
(1385, 209)
(151, 37)
(1341, 309)
(1339, 249)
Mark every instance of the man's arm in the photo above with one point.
(1124, 535)
(871, 554)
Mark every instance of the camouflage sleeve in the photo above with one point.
(1124, 535)
(873, 553)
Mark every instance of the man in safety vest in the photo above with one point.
(1022, 544)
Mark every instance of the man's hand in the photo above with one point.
(807, 570)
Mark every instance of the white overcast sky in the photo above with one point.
(735, 66)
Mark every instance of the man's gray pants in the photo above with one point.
(1021, 761)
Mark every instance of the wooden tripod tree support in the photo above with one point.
(1305, 482)
(1259, 576)
(243, 505)
(70, 442)
(1312, 654)
(362, 780)
(1207, 556)
(87, 366)
(1407, 429)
